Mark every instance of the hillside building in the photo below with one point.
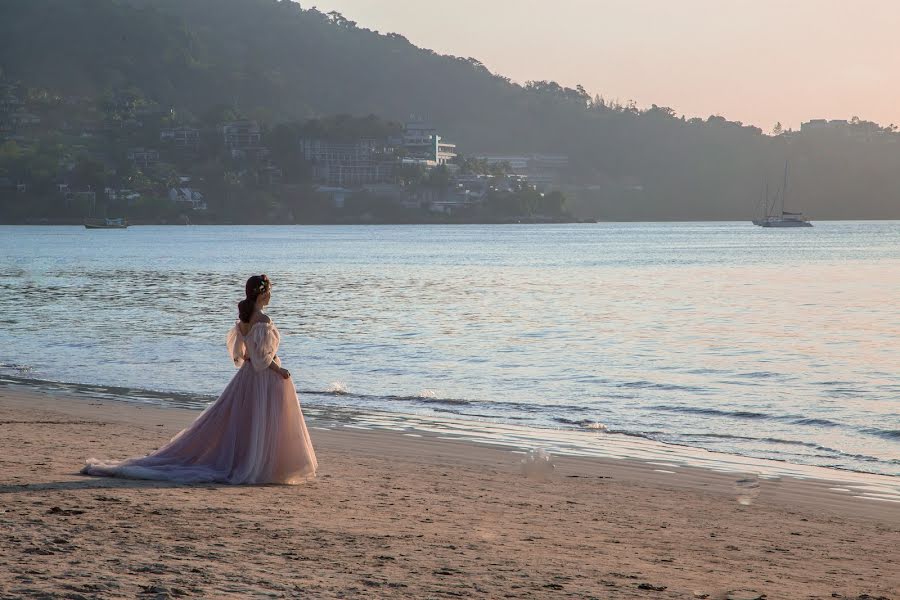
(181, 137)
(424, 145)
(541, 170)
(243, 139)
(349, 164)
(143, 157)
(187, 197)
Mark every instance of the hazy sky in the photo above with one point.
(757, 61)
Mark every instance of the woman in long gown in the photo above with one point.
(253, 433)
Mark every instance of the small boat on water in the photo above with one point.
(783, 218)
(105, 223)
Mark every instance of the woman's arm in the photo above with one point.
(277, 368)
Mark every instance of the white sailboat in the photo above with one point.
(784, 218)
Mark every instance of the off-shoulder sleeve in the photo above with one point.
(263, 344)
(235, 343)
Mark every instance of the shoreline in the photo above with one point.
(574, 221)
(511, 221)
(570, 441)
(393, 515)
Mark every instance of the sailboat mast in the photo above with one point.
(784, 188)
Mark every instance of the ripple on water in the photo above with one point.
(655, 330)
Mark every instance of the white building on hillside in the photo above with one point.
(188, 196)
(424, 144)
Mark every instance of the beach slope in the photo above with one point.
(411, 517)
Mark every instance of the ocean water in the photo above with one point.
(766, 343)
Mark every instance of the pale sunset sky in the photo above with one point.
(756, 61)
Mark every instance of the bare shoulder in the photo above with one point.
(261, 318)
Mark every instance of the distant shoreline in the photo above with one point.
(67, 223)
(71, 223)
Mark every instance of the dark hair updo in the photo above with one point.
(256, 286)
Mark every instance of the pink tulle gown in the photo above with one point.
(254, 432)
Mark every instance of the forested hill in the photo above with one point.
(276, 61)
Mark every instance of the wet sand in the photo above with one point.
(393, 516)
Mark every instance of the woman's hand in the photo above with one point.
(285, 374)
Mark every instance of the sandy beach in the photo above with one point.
(393, 516)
